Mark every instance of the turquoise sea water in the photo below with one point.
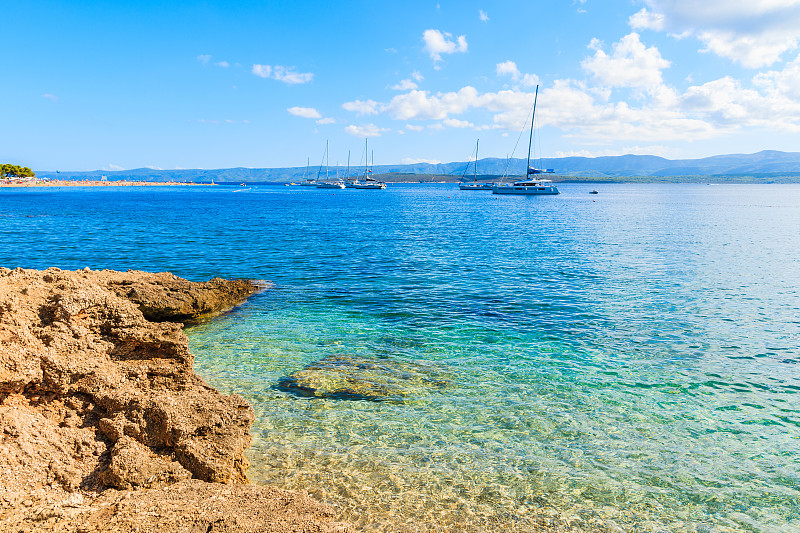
(620, 362)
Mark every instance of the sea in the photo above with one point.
(626, 361)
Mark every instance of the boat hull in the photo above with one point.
(476, 186)
(525, 190)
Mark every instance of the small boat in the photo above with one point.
(474, 185)
(593, 191)
(529, 186)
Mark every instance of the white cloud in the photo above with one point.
(263, 71)
(281, 73)
(414, 161)
(754, 33)
(647, 20)
(438, 43)
(509, 68)
(49, 96)
(482, 14)
(405, 85)
(305, 112)
(327, 120)
(365, 107)
(288, 75)
(727, 105)
(204, 58)
(365, 130)
(417, 75)
(112, 167)
(455, 123)
(419, 105)
(412, 127)
(223, 64)
(630, 64)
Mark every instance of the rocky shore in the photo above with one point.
(105, 426)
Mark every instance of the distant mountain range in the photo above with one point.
(761, 166)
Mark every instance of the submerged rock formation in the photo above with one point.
(97, 392)
(346, 377)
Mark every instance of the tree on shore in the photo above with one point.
(15, 171)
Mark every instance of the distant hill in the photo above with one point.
(768, 165)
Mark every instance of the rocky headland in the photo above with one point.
(104, 426)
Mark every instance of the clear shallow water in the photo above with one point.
(627, 360)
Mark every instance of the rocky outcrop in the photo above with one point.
(348, 377)
(97, 392)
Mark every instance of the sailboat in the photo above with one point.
(474, 185)
(338, 184)
(369, 182)
(529, 185)
(308, 181)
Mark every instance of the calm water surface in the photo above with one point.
(626, 361)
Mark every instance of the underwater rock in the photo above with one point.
(348, 377)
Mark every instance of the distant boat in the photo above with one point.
(369, 182)
(308, 181)
(593, 192)
(326, 184)
(529, 186)
(474, 185)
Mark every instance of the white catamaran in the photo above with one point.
(529, 185)
(474, 185)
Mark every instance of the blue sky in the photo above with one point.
(120, 85)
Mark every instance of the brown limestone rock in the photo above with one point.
(95, 396)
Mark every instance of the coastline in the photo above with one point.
(98, 183)
(105, 424)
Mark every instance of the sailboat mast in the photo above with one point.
(476, 159)
(366, 159)
(348, 166)
(530, 140)
(327, 155)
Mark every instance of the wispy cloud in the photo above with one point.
(304, 112)
(438, 43)
(361, 107)
(509, 68)
(204, 58)
(326, 120)
(285, 74)
(404, 85)
(223, 64)
(455, 123)
(365, 130)
(483, 15)
(51, 97)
